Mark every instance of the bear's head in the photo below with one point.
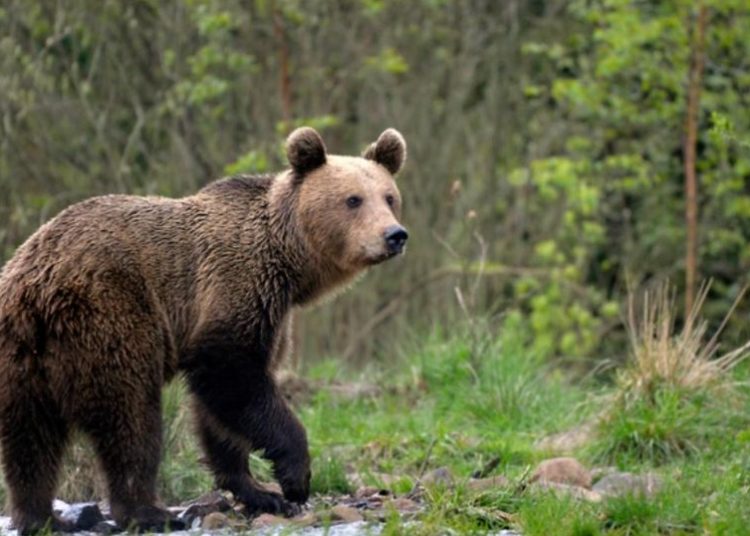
(348, 208)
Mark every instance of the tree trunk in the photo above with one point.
(285, 85)
(697, 61)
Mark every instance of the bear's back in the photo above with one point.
(121, 255)
(100, 255)
(92, 236)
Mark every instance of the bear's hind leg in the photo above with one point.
(33, 436)
(126, 432)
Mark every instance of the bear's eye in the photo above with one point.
(353, 201)
(390, 200)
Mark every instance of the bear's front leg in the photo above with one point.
(239, 408)
(227, 457)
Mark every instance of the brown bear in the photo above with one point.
(118, 294)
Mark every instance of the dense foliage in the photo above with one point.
(546, 140)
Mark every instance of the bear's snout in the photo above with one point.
(395, 238)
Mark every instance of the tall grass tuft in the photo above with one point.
(685, 360)
(677, 391)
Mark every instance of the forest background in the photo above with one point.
(569, 160)
(549, 144)
(552, 143)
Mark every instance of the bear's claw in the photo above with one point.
(267, 502)
(152, 519)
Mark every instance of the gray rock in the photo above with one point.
(619, 484)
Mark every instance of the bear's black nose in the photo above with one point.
(395, 238)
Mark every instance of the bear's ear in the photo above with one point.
(389, 151)
(305, 150)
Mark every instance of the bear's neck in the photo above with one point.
(308, 275)
(265, 230)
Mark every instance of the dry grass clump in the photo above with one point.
(687, 359)
(676, 395)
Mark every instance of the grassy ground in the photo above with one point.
(446, 406)
(462, 400)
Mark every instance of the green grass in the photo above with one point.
(453, 401)
(445, 406)
(677, 393)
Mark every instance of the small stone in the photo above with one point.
(267, 520)
(442, 476)
(215, 521)
(563, 471)
(83, 515)
(347, 514)
(485, 484)
(575, 492)
(619, 484)
(59, 506)
(403, 504)
(305, 520)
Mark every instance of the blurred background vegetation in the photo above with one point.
(550, 143)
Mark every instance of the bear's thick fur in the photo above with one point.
(117, 294)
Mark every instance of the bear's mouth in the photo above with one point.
(383, 257)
